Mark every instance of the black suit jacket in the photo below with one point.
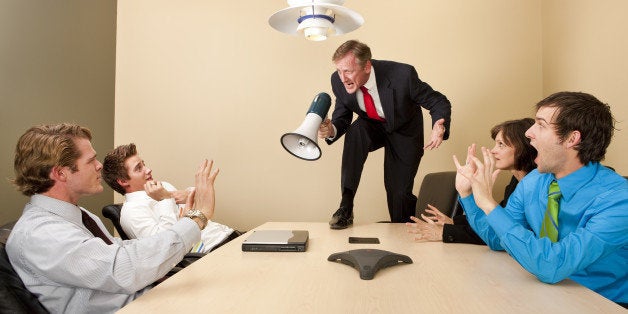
(402, 94)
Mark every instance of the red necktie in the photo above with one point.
(369, 105)
(92, 226)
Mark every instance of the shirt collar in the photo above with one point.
(58, 207)
(371, 83)
(137, 196)
(571, 183)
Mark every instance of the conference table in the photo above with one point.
(443, 278)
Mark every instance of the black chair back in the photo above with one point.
(14, 297)
(112, 211)
(439, 190)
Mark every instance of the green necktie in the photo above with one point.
(549, 228)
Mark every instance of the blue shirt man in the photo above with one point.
(593, 215)
(571, 134)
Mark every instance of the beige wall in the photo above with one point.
(200, 79)
(57, 64)
(585, 48)
(212, 79)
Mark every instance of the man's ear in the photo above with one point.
(58, 173)
(573, 139)
(123, 182)
(367, 66)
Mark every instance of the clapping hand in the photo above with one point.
(478, 177)
(463, 185)
(203, 196)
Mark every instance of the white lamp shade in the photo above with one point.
(286, 20)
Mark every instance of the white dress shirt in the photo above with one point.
(142, 216)
(371, 85)
(72, 271)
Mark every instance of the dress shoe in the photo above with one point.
(342, 218)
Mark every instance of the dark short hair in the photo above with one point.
(361, 51)
(113, 166)
(577, 111)
(40, 149)
(513, 133)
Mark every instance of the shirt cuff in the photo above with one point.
(335, 133)
(188, 230)
(448, 233)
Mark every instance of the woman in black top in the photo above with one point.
(512, 152)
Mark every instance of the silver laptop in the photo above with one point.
(276, 241)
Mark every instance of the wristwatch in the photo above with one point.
(195, 213)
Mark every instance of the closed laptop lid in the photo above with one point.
(277, 237)
(276, 241)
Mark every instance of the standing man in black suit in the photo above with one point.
(387, 97)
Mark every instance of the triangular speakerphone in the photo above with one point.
(369, 261)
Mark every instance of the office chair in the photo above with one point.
(14, 297)
(439, 190)
(112, 211)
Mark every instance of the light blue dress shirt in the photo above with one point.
(72, 271)
(592, 246)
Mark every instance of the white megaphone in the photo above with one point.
(302, 142)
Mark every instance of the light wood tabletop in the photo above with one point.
(443, 278)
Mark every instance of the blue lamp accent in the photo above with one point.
(316, 19)
(316, 16)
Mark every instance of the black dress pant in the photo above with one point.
(402, 155)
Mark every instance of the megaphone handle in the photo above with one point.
(327, 128)
(326, 122)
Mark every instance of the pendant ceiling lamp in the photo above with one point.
(315, 19)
